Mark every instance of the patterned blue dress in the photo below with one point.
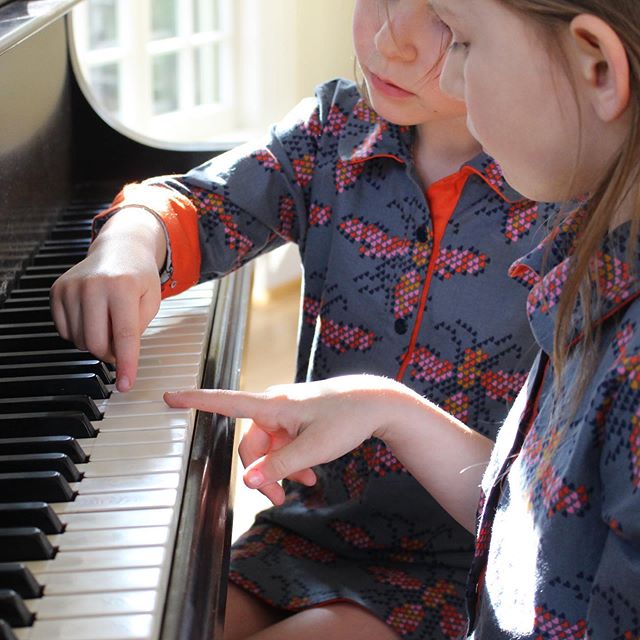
(398, 281)
(558, 552)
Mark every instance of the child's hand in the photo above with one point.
(298, 426)
(104, 303)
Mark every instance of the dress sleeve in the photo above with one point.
(614, 607)
(238, 205)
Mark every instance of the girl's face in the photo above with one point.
(522, 106)
(399, 45)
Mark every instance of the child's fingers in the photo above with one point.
(256, 443)
(273, 491)
(95, 323)
(296, 458)
(58, 313)
(235, 404)
(125, 331)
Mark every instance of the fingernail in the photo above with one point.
(254, 479)
(123, 383)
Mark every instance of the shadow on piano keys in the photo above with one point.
(115, 516)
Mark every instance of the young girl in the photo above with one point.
(553, 91)
(406, 233)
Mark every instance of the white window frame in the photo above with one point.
(134, 54)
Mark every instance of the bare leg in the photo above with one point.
(246, 614)
(333, 621)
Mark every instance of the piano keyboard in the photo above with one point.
(91, 480)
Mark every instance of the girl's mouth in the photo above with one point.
(388, 88)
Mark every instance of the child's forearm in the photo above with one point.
(309, 424)
(443, 454)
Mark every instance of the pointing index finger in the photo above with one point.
(235, 404)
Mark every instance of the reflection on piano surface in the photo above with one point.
(114, 510)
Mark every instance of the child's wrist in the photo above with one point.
(402, 408)
(135, 226)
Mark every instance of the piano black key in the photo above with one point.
(81, 365)
(33, 342)
(30, 514)
(46, 423)
(46, 486)
(25, 314)
(16, 576)
(25, 543)
(27, 327)
(13, 610)
(5, 631)
(74, 384)
(60, 462)
(41, 292)
(58, 257)
(31, 282)
(74, 244)
(71, 232)
(37, 404)
(39, 301)
(49, 269)
(44, 444)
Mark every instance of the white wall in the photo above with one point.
(288, 47)
(315, 46)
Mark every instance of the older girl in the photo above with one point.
(553, 91)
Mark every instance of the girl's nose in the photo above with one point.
(393, 40)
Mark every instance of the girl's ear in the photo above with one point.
(603, 65)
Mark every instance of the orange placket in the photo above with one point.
(443, 197)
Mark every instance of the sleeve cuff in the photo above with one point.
(179, 219)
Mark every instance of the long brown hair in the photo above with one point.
(623, 16)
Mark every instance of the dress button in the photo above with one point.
(422, 233)
(401, 326)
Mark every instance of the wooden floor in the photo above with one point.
(269, 358)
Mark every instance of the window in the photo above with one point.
(159, 65)
(207, 70)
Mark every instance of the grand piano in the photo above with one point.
(115, 511)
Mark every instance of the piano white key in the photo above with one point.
(95, 604)
(156, 450)
(134, 627)
(109, 539)
(199, 321)
(167, 370)
(105, 468)
(143, 482)
(159, 407)
(104, 559)
(154, 362)
(167, 420)
(175, 303)
(176, 339)
(151, 499)
(135, 396)
(117, 519)
(167, 383)
(168, 350)
(100, 581)
(140, 436)
(60, 607)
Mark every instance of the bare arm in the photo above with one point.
(296, 427)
